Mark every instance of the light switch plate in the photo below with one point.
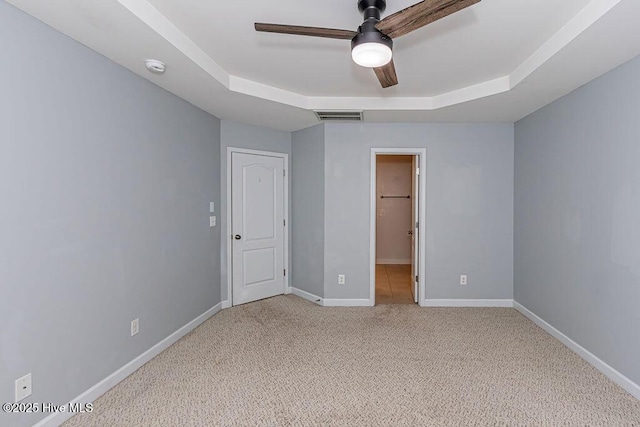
(212, 207)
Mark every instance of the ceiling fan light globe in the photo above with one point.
(371, 55)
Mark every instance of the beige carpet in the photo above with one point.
(287, 362)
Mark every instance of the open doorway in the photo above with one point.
(394, 230)
(397, 207)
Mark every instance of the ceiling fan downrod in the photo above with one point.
(372, 9)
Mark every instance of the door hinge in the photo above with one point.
(285, 271)
(284, 222)
(416, 279)
(417, 224)
(417, 171)
(284, 172)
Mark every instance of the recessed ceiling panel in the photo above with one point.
(483, 42)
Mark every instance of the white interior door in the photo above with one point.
(257, 226)
(415, 214)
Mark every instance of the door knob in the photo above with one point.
(410, 232)
(237, 237)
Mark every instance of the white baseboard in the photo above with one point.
(615, 376)
(346, 302)
(394, 261)
(306, 295)
(56, 419)
(226, 304)
(468, 303)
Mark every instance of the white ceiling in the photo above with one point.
(496, 61)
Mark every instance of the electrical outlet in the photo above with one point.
(23, 387)
(463, 279)
(212, 221)
(135, 326)
(341, 279)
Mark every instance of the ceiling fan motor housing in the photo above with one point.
(367, 32)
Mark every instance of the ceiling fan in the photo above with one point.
(372, 44)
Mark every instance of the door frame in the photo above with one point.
(422, 204)
(285, 157)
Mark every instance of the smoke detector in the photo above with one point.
(155, 66)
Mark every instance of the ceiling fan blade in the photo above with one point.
(419, 15)
(387, 75)
(297, 30)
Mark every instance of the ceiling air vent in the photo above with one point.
(339, 116)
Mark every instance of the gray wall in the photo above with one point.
(105, 184)
(469, 206)
(307, 221)
(240, 135)
(577, 210)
